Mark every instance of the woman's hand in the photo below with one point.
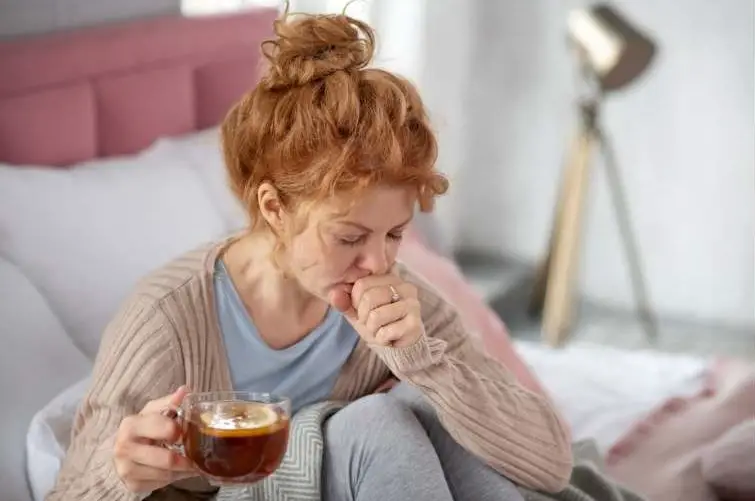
(140, 461)
(385, 311)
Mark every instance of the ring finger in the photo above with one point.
(377, 297)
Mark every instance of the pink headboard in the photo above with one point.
(113, 90)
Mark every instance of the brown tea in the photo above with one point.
(236, 440)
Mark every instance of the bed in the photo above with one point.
(108, 137)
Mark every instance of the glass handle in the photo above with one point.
(176, 415)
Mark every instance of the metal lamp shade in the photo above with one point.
(614, 49)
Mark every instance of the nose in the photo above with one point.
(375, 259)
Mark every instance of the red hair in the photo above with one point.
(320, 122)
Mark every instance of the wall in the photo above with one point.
(444, 84)
(684, 138)
(25, 17)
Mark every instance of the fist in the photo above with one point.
(385, 311)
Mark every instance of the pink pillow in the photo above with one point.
(449, 282)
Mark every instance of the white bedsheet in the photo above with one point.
(602, 391)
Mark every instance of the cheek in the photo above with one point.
(306, 251)
(393, 248)
(392, 252)
(337, 259)
(313, 256)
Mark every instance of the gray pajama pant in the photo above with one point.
(392, 447)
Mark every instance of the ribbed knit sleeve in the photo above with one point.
(514, 430)
(137, 362)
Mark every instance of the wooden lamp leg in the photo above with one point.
(540, 286)
(563, 260)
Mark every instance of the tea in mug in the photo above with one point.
(236, 439)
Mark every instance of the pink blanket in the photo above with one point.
(663, 456)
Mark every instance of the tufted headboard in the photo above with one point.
(112, 90)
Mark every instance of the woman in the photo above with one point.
(330, 158)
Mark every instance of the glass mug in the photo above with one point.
(233, 437)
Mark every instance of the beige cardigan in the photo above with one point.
(167, 335)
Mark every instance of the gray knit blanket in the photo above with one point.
(299, 477)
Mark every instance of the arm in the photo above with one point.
(453, 286)
(514, 430)
(137, 362)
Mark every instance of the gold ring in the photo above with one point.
(394, 294)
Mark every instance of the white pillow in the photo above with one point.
(86, 234)
(37, 361)
(202, 151)
(49, 437)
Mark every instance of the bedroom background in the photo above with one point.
(504, 110)
(499, 82)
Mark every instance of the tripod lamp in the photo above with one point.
(611, 54)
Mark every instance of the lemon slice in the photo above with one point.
(244, 416)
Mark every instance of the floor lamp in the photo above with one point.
(611, 54)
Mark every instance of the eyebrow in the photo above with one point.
(369, 230)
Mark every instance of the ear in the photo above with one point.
(271, 208)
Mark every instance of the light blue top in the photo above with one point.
(304, 372)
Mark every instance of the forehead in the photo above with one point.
(375, 207)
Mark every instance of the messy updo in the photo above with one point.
(320, 122)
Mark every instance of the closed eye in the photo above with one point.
(352, 241)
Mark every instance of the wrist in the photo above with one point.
(406, 342)
(421, 354)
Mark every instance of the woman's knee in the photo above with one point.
(375, 448)
(374, 421)
(413, 399)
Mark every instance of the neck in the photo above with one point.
(262, 286)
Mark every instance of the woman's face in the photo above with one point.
(338, 248)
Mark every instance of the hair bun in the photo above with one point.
(311, 47)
